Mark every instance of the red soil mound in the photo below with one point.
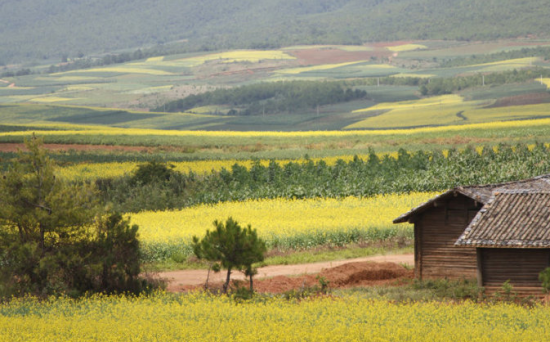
(354, 274)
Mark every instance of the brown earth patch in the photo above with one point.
(354, 274)
(14, 147)
(520, 100)
(333, 56)
(366, 271)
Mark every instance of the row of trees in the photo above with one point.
(409, 171)
(539, 51)
(440, 86)
(270, 98)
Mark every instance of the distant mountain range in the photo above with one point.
(33, 30)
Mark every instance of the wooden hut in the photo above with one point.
(493, 233)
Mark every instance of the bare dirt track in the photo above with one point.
(376, 270)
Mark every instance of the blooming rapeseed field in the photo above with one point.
(407, 47)
(283, 223)
(200, 317)
(89, 130)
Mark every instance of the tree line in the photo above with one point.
(269, 98)
(440, 86)
(198, 26)
(361, 177)
(539, 51)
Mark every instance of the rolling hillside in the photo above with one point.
(35, 30)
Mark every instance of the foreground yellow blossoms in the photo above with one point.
(198, 317)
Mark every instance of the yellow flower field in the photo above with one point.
(198, 317)
(407, 47)
(114, 131)
(286, 223)
(448, 110)
(545, 81)
(413, 75)
(315, 68)
(253, 56)
(50, 99)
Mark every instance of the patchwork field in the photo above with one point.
(144, 84)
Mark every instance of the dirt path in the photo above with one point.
(177, 279)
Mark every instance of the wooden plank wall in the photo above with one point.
(520, 266)
(437, 230)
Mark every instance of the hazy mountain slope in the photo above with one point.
(37, 29)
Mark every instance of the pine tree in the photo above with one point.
(231, 247)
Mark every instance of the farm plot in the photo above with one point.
(283, 223)
(407, 47)
(446, 110)
(342, 70)
(434, 111)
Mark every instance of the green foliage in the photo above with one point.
(263, 24)
(440, 86)
(320, 289)
(117, 250)
(53, 239)
(153, 171)
(506, 292)
(538, 51)
(270, 98)
(409, 171)
(232, 247)
(544, 277)
(453, 289)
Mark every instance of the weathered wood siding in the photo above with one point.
(520, 266)
(436, 231)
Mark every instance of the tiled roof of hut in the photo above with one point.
(511, 218)
(481, 193)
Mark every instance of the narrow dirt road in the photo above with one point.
(177, 279)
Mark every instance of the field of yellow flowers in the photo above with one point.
(283, 223)
(200, 317)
